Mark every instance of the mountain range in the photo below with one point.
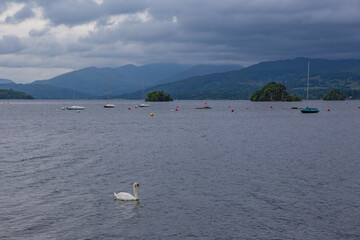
(3, 81)
(200, 81)
(93, 82)
(241, 84)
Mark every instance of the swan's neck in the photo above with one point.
(135, 192)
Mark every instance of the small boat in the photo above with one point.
(75, 108)
(307, 109)
(206, 107)
(144, 105)
(109, 105)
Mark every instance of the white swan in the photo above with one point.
(124, 196)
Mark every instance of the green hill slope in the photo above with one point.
(40, 91)
(201, 70)
(11, 94)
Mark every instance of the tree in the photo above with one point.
(158, 96)
(11, 94)
(273, 92)
(335, 94)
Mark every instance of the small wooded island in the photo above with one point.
(273, 92)
(335, 94)
(158, 96)
(11, 94)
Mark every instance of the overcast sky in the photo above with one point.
(40, 39)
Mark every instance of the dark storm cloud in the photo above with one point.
(70, 12)
(273, 28)
(203, 30)
(252, 29)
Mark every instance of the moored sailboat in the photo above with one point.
(108, 105)
(75, 107)
(308, 109)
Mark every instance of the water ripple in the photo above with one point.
(256, 174)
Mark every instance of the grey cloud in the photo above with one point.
(205, 30)
(259, 29)
(78, 48)
(23, 14)
(10, 44)
(73, 12)
(38, 33)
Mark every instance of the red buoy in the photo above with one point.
(328, 110)
(270, 106)
(232, 110)
(129, 108)
(206, 103)
(175, 109)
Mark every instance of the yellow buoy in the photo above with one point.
(151, 114)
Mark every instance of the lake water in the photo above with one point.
(264, 171)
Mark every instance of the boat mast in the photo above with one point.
(142, 89)
(307, 91)
(108, 92)
(74, 88)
